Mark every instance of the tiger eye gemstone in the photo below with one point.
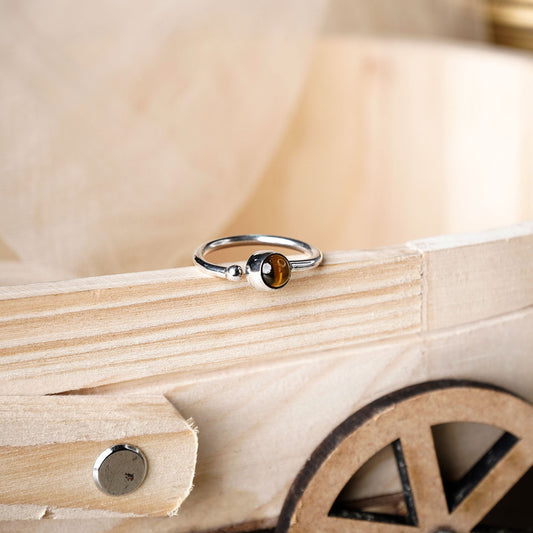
(276, 271)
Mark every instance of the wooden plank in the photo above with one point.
(139, 328)
(152, 326)
(257, 437)
(290, 381)
(49, 444)
(475, 276)
(263, 420)
(258, 424)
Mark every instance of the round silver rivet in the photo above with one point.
(119, 469)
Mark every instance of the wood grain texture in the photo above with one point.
(351, 331)
(475, 276)
(148, 328)
(259, 424)
(48, 446)
(142, 329)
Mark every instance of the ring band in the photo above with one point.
(264, 270)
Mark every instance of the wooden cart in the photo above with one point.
(250, 405)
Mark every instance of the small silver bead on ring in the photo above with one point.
(234, 273)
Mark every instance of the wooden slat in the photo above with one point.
(70, 338)
(476, 276)
(153, 326)
(48, 446)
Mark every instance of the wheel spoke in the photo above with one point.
(424, 478)
(493, 487)
(405, 419)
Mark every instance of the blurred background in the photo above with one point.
(132, 131)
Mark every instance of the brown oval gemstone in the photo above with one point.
(276, 271)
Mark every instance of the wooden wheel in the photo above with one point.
(404, 419)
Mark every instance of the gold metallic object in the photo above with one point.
(511, 22)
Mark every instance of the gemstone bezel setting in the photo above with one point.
(268, 270)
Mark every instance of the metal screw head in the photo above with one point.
(120, 469)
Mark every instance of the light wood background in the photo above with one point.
(130, 135)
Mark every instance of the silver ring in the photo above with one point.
(265, 270)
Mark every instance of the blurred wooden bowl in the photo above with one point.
(395, 140)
